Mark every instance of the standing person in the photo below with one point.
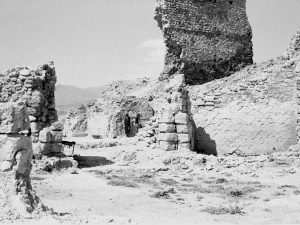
(127, 125)
(138, 121)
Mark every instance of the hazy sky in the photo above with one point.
(93, 42)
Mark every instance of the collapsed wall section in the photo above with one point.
(205, 39)
(36, 87)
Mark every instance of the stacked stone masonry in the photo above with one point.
(175, 126)
(50, 140)
(35, 87)
(205, 39)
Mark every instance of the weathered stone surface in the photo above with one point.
(32, 119)
(172, 109)
(182, 129)
(36, 126)
(57, 126)
(5, 166)
(167, 117)
(42, 148)
(167, 146)
(56, 136)
(259, 120)
(205, 40)
(184, 138)
(184, 146)
(10, 144)
(171, 137)
(25, 72)
(181, 118)
(45, 135)
(57, 148)
(13, 117)
(35, 86)
(294, 48)
(167, 128)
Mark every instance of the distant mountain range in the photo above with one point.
(67, 96)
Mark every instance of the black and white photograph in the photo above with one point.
(149, 112)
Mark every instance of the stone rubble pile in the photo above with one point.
(286, 162)
(148, 133)
(175, 124)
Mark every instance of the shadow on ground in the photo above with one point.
(91, 161)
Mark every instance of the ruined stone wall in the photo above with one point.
(35, 86)
(253, 111)
(205, 39)
(293, 50)
(175, 126)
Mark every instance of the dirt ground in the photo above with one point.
(136, 185)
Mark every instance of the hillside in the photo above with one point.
(67, 95)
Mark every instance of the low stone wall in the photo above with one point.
(13, 120)
(50, 140)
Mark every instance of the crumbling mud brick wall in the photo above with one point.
(35, 86)
(205, 39)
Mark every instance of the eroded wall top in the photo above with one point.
(205, 39)
(35, 87)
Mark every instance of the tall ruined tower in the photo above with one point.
(205, 39)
